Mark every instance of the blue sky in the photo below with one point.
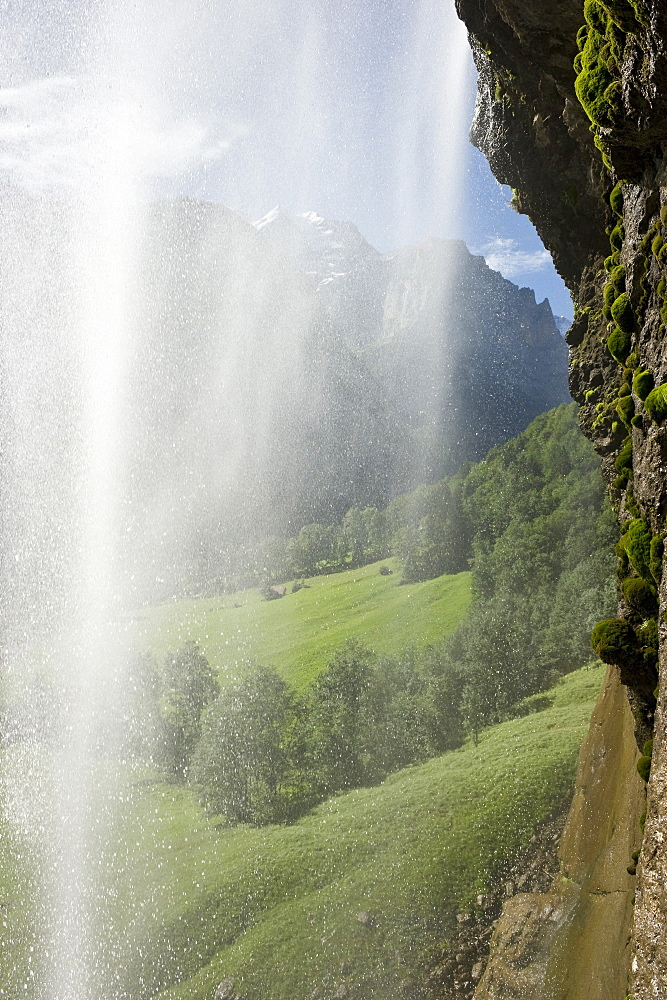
(357, 109)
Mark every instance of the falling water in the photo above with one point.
(112, 111)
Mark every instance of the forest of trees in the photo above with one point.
(533, 523)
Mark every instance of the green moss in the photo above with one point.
(632, 361)
(662, 285)
(614, 640)
(640, 597)
(644, 767)
(618, 345)
(617, 275)
(637, 543)
(630, 505)
(642, 383)
(595, 17)
(657, 551)
(663, 215)
(622, 13)
(637, 421)
(656, 403)
(612, 261)
(623, 460)
(616, 236)
(598, 92)
(625, 407)
(609, 295)
(621, 311)
(657, 245)
(648, 748)
(616, 198)
(623, 561)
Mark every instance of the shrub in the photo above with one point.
(656, 403)
(614, 641)
(642, 383)
(618, 345)
(621, 311)
(385, 571)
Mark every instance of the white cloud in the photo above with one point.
(58, 133)
(506, 256)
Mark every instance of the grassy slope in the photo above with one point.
(277, 907)
(298, 633)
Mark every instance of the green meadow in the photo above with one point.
(299, 633)
(363, 892)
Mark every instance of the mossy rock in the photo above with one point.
(623, 561)
(618, 344)
(616, 198)
(617, 276)
(622, 13)
(595, 17)
(640, 597)
(637, 421)
(644, 767)
(663, 215)
(623, 461)
(657, 245)
(625, 407)
(637, 543)
(642, 383)
(597, 89)
(632, 361)
(609, 296)
(622, 313)
(648, 748)
(657, 551)
(656, 403)
(616, 236)
(614, 641)
(662, 287)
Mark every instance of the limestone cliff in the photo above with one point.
(572, 113)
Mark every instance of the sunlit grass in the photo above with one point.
(299, 633)
(278, 908)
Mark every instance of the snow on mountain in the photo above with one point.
(326, 251)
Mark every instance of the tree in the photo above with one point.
(190, 685)
(244, 764)
(336, 711)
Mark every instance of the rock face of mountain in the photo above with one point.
(437, 332)
(572, 112)
(277, 373)
(289, 371)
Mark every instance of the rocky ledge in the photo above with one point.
(572, 113)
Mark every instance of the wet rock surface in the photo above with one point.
(593, 180)
(457, 977)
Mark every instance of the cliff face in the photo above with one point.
(572, 113)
